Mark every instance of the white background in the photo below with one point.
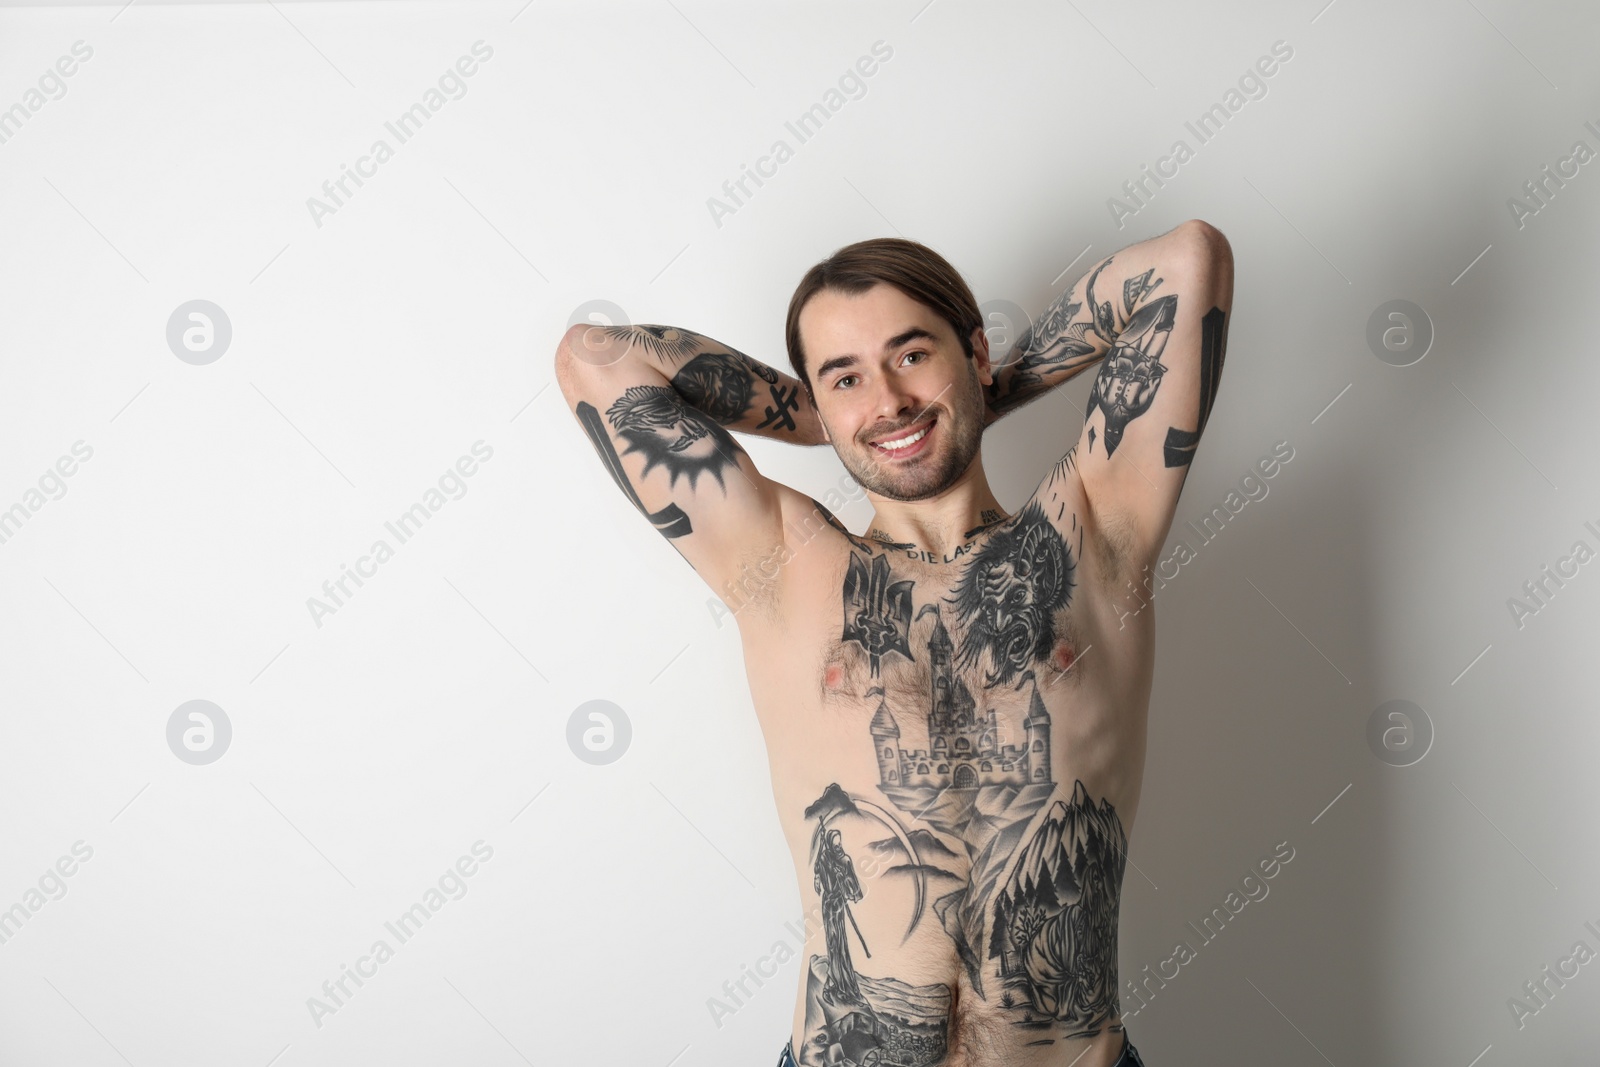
(371, 351)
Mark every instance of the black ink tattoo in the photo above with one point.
(832, 519)
(657, 423)
(1055, 922)
(667, 342)
(723, 384)
(1007, 598)
(670, 520)
(1054, 347)
(1025, 881)
(1181, 444)
(1065, 465)
(1131, 373)
(852, 1019)
(784, 401)
(888, 542)
(877, 610)
(987, 518)
(1134, 290)
(716, 383)
(837, 883)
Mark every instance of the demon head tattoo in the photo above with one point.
(1007, 598)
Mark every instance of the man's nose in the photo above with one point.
(895, 400)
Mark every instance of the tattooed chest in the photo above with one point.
(974, 821)
(1000, 622)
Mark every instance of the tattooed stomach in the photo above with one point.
(973, 925)
(949, 807)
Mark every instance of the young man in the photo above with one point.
(954, 704)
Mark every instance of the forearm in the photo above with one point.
(1077, 329)
(737, 391)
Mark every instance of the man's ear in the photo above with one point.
(980, 355)
(811, 396)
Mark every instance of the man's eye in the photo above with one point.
(842, 379)
(917, 353)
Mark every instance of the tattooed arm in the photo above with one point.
(737, 391)
(654, 403)
(1155, 316)
(1068, 337)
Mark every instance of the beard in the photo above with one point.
(959, 430)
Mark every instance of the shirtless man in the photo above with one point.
(954, 704)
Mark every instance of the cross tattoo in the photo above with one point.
(787, 400)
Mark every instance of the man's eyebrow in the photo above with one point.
(849, 358)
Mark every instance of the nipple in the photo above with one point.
(1063, 656)
(833, 677)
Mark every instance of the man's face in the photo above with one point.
(885, 368)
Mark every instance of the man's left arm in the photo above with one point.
(1155, 316)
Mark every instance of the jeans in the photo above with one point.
(1130, 1056)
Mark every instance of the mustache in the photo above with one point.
(881, 433)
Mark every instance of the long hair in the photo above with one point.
(915, 269)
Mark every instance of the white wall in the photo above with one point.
(372, 748)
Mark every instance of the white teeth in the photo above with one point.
(904, 442)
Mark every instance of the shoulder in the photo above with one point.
(809, 551)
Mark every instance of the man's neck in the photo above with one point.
(937, 525)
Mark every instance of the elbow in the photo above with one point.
(569, 362)
(585, 345)
(1206, 244)
(1199, 254)
(569, 340)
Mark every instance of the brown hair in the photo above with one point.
(915, 269)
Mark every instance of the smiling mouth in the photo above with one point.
(905, 442)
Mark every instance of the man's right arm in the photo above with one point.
(656, 403)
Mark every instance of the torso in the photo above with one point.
(974, 730)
